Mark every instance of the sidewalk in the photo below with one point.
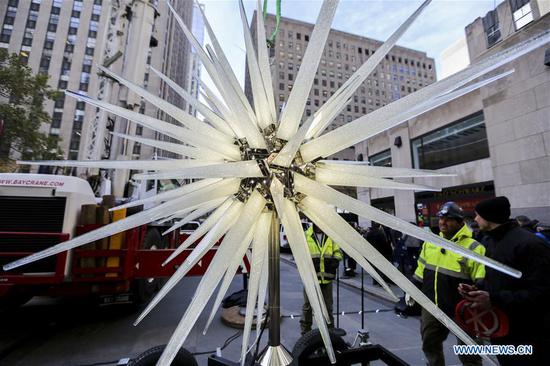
(355, 282)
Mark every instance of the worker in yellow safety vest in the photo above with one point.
(439, 272)
(326, 255)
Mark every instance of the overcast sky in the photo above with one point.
(439, 26)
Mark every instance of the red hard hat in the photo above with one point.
(492, 323)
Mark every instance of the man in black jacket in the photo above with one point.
(525, 300)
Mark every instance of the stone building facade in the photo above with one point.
(496, 140)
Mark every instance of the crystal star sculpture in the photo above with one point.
(253, 163)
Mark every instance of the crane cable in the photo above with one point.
(271, 40)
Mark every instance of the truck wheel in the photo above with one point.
(152, 355)
(146, 288)
(311, 344)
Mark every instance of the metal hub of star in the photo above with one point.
(253, 165)
(270, 170)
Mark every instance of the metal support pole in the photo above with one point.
(275, 354)
(337, 298)
(362, 299)
(274, 285)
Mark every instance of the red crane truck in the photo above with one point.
(38, 211)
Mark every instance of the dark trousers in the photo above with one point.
(307, 315)
(433, 334)
(349, 262)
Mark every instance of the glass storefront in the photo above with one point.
(460, 142)
(381, 159)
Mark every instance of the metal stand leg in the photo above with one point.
(362, 299)
(337, 299)
(276, 354)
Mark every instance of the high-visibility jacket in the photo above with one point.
(441, 271)
(320, 251)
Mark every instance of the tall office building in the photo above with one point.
(404, 71)
(173, 57)
(194, 79)
(65, 39)
(58, 38)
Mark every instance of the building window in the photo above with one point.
(75, 143)
(60, 101)
(381, 159)
(44, 64)
(491, 27)
(77, 123)
(460, 142)
(56, 119)
(48, 44)
(521, 10)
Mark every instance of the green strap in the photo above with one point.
(271, 40)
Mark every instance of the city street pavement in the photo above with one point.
(60, 332)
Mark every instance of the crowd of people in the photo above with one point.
(450, 280)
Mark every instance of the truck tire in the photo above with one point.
(146, 288)
(152, 355)
(311, 344)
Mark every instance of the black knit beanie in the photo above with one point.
(495, 210)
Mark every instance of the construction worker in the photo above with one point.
(326, 256)
(440, 271)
